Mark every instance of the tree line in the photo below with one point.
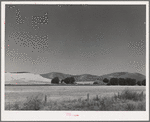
(68, 80)
(112, 81)
(124, 81)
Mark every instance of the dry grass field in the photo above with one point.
(75, 97)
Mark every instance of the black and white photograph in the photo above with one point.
(75, 58)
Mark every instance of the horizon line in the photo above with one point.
(73, 74)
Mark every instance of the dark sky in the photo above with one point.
(75, 39)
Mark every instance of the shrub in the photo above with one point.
(95, 82)
(105, 80)
(108, 84)
(32, 103)
(69, 80)
(55, 80)
(122, 81)
(130, 81)
(114, 81)
(139, 83)
(133, 82)
(62, 81)
(144, 82)
(14, 106)
(130, 95)
(130, 107)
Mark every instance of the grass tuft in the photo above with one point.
(33, 103)
(130, 95)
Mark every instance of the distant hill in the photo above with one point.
(86, 77)
(55, 74)
(30, 78)
(89, 77)
(83, 77)
(137, 76)
(25, 78)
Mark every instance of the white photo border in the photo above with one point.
(82, 115)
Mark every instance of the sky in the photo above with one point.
(75, 39)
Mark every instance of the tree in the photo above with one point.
(69, 80)
(144, 82)
(108, 84)
(55, 80)
(114, 81)
(121, 81)
(133, 82)
(139, 83)
(62, 81)
(105, 80)
(130, 81)
(95, 82)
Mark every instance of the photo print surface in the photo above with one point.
(68, 57)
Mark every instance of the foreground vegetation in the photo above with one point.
(127, 100)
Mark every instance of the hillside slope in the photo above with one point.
(29, 78)
(25, 78)
(137, 76)
(89, 77)
(55, 74)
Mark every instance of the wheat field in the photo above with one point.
(20, 93)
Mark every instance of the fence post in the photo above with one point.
(45, 98)
(35, 105)
(9, 105)
(96, 97)
(88, 97)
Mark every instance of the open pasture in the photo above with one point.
(20, 93)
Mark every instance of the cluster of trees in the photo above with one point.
(112, 81)
(95, 82)
(55, 80)
(68, 80)
(105, 80)
(140, 83)
(122, 81)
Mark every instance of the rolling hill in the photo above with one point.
(137, 76)
(55, 74)
(29, 78)
(25, 78)
(83, 77)
(89, 77)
